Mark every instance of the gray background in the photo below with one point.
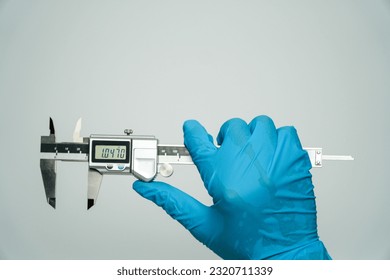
(322, 66)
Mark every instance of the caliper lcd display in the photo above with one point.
(110, 151)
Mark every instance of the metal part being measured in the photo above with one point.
(128, 154)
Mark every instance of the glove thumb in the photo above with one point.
(192, 214)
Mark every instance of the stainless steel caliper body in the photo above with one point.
(140, 156)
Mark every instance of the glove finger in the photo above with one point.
(192, 214)
(291, 166)
(296, 156)
(198, 142)
(234, 131)
(264, 138)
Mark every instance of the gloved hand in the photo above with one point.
(263, 199)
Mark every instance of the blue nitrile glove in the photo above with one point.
(264, 204)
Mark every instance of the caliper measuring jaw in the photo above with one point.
(140, 156)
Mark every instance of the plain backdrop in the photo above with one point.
(322, 66)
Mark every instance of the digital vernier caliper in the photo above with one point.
(140, 156)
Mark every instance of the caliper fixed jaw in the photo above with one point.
(48, 168)
(51, 152)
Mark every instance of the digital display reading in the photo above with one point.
(110, 152)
